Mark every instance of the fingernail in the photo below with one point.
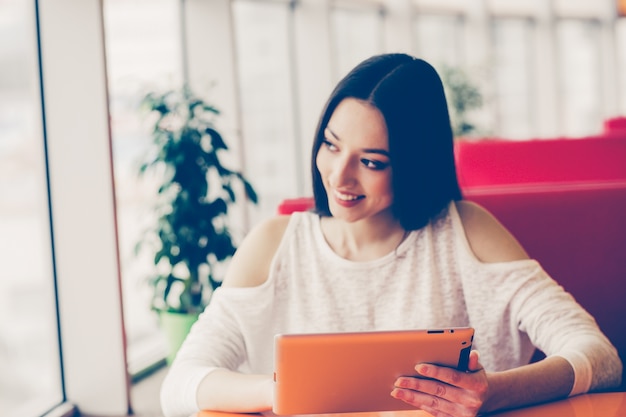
(422, 369)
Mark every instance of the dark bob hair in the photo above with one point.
(409, 94)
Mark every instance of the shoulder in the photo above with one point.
(489, 240)
(250, 265)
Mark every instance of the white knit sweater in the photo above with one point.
(431, 280)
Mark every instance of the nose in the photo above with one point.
(343, 172)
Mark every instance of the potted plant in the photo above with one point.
(463, 97)
(191, 237)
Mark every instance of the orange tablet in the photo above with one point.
(355, 372)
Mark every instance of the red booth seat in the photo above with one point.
(489, 162)
(290, 205)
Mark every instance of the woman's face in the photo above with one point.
(353, 161)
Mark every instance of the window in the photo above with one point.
(357, 34)
(143, 54)
(621, 63)
(30, 376)
(438, 38)
(579, 74)
(267, 100)
(512, 49)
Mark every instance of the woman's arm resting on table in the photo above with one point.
(224, 390)
(198, 377)
(546, 380)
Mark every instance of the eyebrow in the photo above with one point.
(366, 150)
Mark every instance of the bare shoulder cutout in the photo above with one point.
(250, 265)
(488, 238)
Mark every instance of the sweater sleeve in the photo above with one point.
(517, 305)
(217, 340)
(519, 301)
(558, 325)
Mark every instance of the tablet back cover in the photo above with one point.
(355, 372)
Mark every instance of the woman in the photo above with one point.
(391, 245)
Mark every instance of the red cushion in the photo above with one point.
(290, 205)
(497, 161)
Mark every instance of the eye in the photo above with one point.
(374, 165)
(331, 147)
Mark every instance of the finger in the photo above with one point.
(424, 391)
(436, 413)
(450, 376)
(436, 406)
(428, 386)
(474, 361)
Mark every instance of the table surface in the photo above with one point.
(610, 404)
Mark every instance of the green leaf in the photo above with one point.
(192, 223)
(217, 141)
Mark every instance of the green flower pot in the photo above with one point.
(175, 326)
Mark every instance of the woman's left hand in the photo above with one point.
(443, 391)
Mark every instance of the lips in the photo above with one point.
(347, 197)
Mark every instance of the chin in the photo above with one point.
(354, 214)
(346, 214)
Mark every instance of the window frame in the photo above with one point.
(83, 206)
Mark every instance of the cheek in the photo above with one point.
(382, 187)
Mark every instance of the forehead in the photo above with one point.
(359, 123)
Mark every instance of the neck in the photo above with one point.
(364, 240)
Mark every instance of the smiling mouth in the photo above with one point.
(347, 197)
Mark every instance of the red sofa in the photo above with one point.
(564, 199)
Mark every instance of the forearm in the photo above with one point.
(224, 390)
(549, 379)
